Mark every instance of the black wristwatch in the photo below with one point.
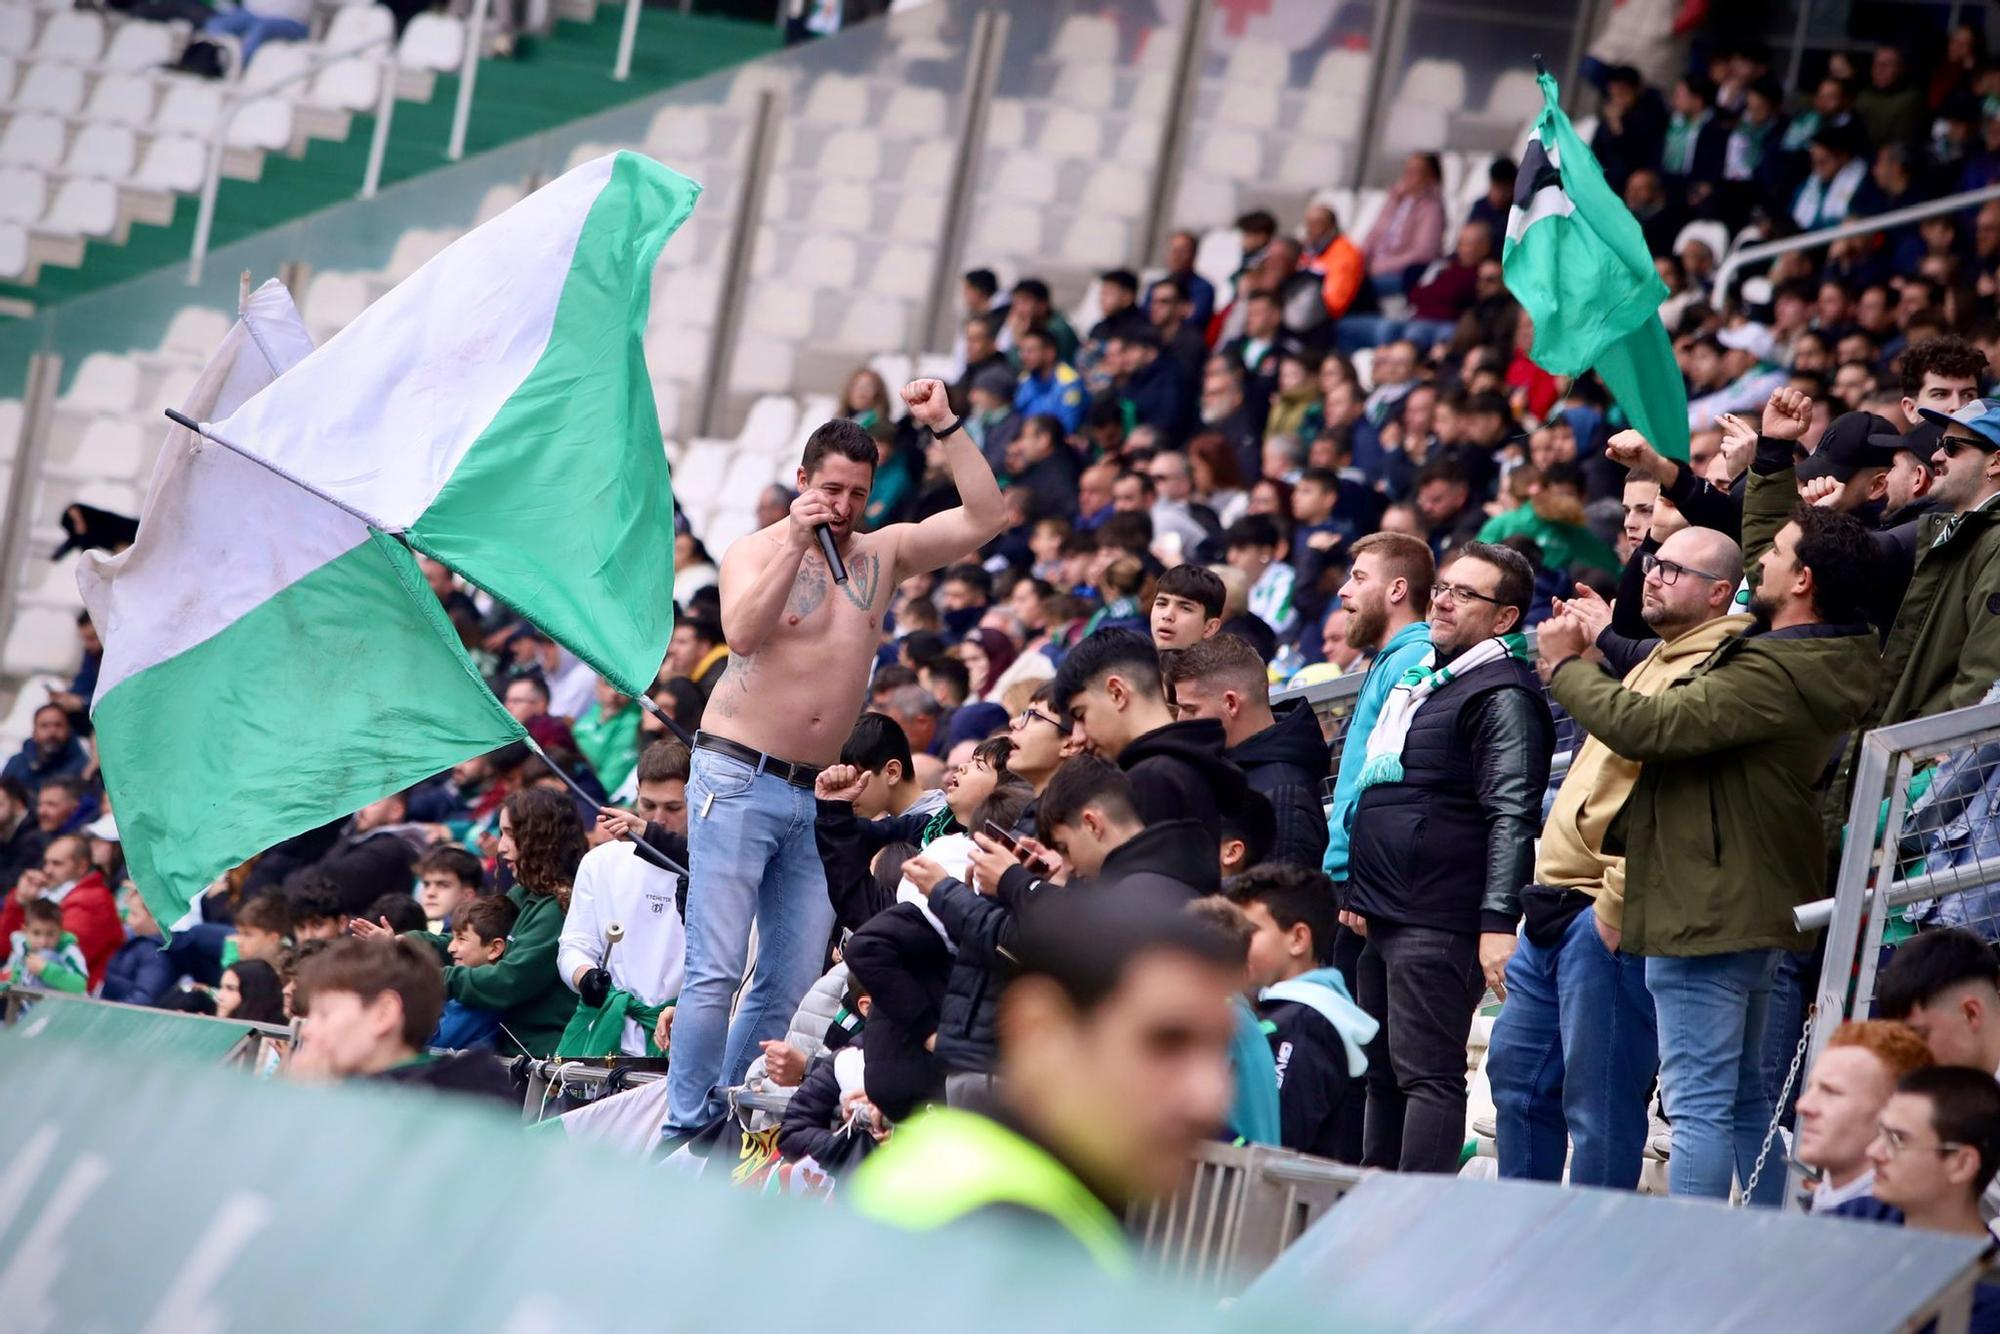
(957, 422)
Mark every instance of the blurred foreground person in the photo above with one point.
(1114, 1065)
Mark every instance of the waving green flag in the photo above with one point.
(1577, 262)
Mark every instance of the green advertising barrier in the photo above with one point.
(129, 1028)
(155, 1196)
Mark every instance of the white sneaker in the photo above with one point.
(1659, 1140)
(1486, 1127)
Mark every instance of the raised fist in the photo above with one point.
(928, 403)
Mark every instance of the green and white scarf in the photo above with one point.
(1418, 684)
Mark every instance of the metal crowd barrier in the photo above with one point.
(1923, 842)
(112, 1022)
(1240, 1208)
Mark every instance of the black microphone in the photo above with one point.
(831, 552)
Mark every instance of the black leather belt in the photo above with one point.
(798, 775)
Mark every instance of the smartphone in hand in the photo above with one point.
(1002, 837)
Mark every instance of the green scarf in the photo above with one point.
(600, 1031)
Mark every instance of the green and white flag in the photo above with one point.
(494, 411)
(1577, 262)
(270, 663)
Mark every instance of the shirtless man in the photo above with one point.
(800, 648)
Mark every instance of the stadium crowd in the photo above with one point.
(1343, 461)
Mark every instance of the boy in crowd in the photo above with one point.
(1254, 1112)
(1844, 1095)
(141, 972)
(314, 904)
(262, 926)
(479, 928)
(370, 1006)
(448, 876)
(45, 957)
(1946, 986)
(1187, 606)
(1316, 1031)
(1252, 545)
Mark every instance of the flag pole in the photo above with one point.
(681, 734)
(585, 797)
(202, 429)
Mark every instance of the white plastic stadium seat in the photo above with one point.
(1007, 229)
(194, 333)
(1415, 127)
(874, 321)
(1258, 63)
(1083, 86)
(17, 29)
(1006, 123)
(83, 207)
(762, 366)
(191, 107)
(1312, 164)
(843, 208)
(1085, 39)
(1515, 97)
(138, 47)
(703, 466)
(73, 38)
(1115, 190)
(825, 262)
(1434, 83)
(778, 310)
(1254, 106)
(1235, 155)
(768, 428)
(276, 62)
(914, 113)
(24, 195)
(679, 133)
(852, 155)
(121, 99)
(104, 383)
(32, 141)
(434, 42)
(1342, 73)
(353, 85)
(414, 249)
(106, 152)
(1071, 136)
(56, 89)
(42, 639)
(836, 99)
(1095, 242)
(1025, 178)
(112, 449)
(174, 163)
(332, 301)
(265, 123)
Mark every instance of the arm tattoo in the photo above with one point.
(732, 689)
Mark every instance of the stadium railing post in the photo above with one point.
(468, 77)
(1190, 54)
(38, 406)
(760, 145)
(982, 71)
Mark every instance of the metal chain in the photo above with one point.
(1778, 1112)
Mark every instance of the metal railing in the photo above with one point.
(241, 95)
(1880, 222)
(1921, 830)
(1240, 1207)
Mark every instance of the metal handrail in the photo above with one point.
(238, 96)
(1878, 222)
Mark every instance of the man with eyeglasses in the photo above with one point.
(1936, 1147)
(1443, 839)
(1721, 831)
(1574, 1051)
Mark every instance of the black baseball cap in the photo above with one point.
(1849, 446)
(1921, 440)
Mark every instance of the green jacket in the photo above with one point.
(610, 744)
(1564, 545)
(1722, 836)
(523, 987)
(1945, 650)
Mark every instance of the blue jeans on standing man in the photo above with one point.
(1712, 1013)
(1572, 1060)
(751, 855)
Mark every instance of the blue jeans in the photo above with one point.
(1712, 1013)
(1572, 1061)
(751, 854)
(1360, 331)
(255, 30)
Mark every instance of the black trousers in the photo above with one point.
(1422, 985)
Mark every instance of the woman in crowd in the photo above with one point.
(865, 399)
(987, 654)
(1218, 478)
(251, 992)
(694, 568)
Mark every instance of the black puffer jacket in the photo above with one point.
(984, 929)
(1287, 762)
(1180, 771)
